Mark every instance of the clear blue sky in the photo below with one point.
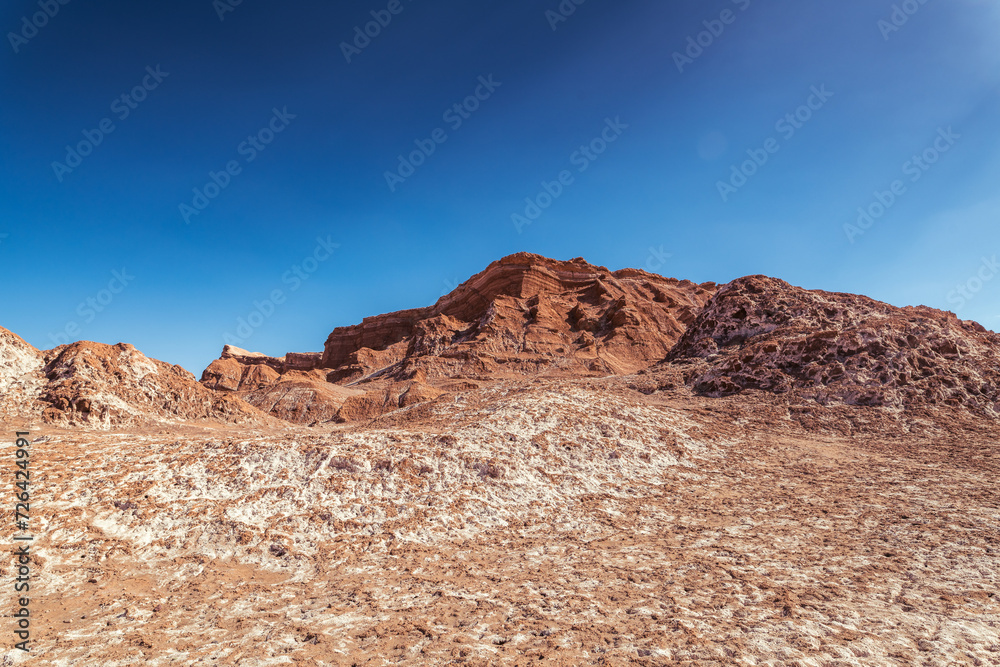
(895, 93)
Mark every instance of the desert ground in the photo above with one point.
(534, 522)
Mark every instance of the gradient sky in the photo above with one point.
(654, 188)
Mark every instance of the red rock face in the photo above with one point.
(238, 369)
(525, 315)
(288, 387)
(762, 333)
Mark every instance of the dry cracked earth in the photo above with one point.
(534, 521)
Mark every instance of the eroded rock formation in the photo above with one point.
(104, 386)
(762, 333)
(807, 478)
(524, 315)
(527, 316)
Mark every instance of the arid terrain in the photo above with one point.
(555, 464)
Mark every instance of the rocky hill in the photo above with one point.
(21, 377)
(526, 316)
(747, 475)
(291, 388)
(762, 333)
(103, 386)
(523, 316)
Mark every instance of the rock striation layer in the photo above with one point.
(289, 387)
(524, 315)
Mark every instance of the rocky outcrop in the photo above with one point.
(106, 386)
(524, 315)
(762, 333)
(116, 385)
(528, 316)
(287, 387)
(21, 377)
(237, 369)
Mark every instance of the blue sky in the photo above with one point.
(641, 136)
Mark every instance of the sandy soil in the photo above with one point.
(541, 522)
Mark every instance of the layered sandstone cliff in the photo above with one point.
(524, 315)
